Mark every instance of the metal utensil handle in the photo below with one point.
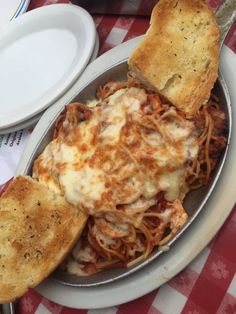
(7, 308)
(226, 16)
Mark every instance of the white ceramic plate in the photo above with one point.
(33, 120)
(188, 245)
(10, 9)
(41, 54)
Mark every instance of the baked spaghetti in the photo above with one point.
(128, 161)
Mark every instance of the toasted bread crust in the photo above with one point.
(38, 229)
(179, 54)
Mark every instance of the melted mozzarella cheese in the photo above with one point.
(83, 186)
(170, 183)
(176, 132)
(74, 268)
(87, 131)
(105, 239)
(176, 129)
(83, 254)
(165, 215)
(63, 153)
(154, 139)
(130, 98)
(92, 103)
(125, 101)
(95, 171)
(115, 120)
(43, 171)
(149, 189)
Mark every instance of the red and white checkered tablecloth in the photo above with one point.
(208, 284)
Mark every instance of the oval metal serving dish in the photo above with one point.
(194, 200)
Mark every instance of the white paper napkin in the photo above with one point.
(11, 147)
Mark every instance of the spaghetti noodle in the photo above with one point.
(129, 162)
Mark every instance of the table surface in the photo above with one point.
(208, 284)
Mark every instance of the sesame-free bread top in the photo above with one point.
(37, 230)
(179, 54)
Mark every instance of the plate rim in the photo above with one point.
(161, 270)
(33, 16)
(22, 7)
(19, 8)
(22, 125)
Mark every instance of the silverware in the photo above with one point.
(226, 16)
(7, 308)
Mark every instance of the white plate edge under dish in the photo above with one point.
(185, 249)
(72, 77)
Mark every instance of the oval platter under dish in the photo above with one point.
(41, 138)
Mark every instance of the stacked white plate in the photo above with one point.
(11, 9)
(42, 54)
